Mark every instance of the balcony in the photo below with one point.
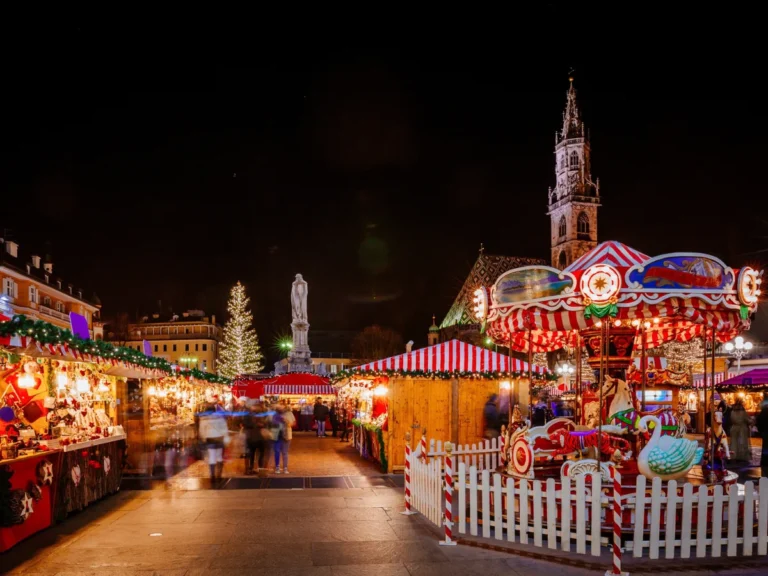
(191, 336)
(53, 313)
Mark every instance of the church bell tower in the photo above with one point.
(574, 201)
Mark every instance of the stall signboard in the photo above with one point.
(79, 325)
(531, 283)
(682, 272)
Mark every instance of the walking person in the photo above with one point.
(345, 424)
(491, 417)
(212, 430)
(740, 432)
(253, 439)
(334, 419)
(285, 421)
(305, 417)
(321, 414)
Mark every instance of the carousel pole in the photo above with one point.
(510, 410)
(643, 363)
(578, 377)
(712, 392)
(530, 378)
(603, 330)
(704, 381)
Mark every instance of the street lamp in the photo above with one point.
(566, 371)
(738, 349)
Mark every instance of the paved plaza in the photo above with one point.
(310, 531)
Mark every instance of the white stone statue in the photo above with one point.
(299, 299)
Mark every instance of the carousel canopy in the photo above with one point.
(293, 383)
(451, 356)
(683, 294)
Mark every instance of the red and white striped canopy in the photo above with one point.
(451, 356)
(293, 383)
(614, 253)
(547, 324)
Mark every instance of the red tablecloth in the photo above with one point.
(25, 471)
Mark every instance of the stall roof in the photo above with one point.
(451, 356)
(757, 378)
(302, 383)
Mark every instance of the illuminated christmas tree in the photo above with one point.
(240, 351)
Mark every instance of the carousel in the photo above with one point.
(614, 304)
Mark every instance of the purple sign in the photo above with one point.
(79, 325)
(146, 347)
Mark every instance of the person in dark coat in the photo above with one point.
(334, 419)
(491, 417)
(726, 410)
(321, 413)
(762, 427)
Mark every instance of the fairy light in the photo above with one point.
(26, 381)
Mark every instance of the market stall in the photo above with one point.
(441, 389)
(299, 389)
(63, 400)
(749, 387)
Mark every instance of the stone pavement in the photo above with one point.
(314, 532)
(308, 456)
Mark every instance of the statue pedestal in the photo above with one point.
(299, 358)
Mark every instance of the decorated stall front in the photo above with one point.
(62, 443)
(440, 390)
(749, 387)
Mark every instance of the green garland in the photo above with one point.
(446, 375)
(46, 333)
(372, 428)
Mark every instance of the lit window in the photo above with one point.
(10, 288)
(583, 223)
(33, 294)
(562, 229)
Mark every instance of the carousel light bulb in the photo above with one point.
(62, 380)
(656, 320)
(505, 385)
(599, 323)
(759, 281)
(82, 385)
(758, 292)
(26, 381)
(617, 323)
(647, 324)
(635, 322)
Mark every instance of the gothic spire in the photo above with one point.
(572, 124)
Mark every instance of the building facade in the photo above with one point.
(29, 287)
(574, 201)
(189, 340)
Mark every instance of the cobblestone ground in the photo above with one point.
(308, 456)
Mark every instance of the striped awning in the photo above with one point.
(613, 253)
(451, 356)
(299, 389)
(698, 380)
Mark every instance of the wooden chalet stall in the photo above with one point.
(440, 390)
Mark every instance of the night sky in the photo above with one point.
(375, 174)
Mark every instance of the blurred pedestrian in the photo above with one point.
(285, 421)
(253, 437)
(334, 415)
(740, 432)
(305, 417)
(213, 430)
(491, 417)
(345, 423)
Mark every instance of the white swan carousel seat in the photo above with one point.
(666, 457)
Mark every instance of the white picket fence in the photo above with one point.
(484, 455)
(570, 516)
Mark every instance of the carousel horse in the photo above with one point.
(625, 413)
(718, 434)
